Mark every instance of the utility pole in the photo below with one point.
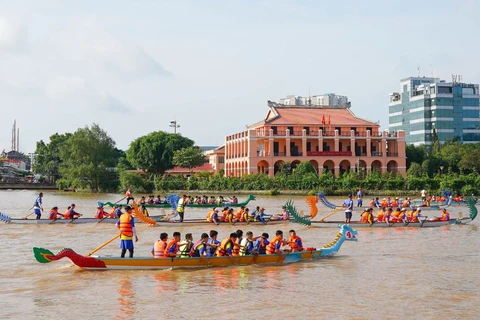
(174, 125)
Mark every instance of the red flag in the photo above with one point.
(328, 119)
(323, 119)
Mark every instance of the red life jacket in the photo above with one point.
(271, 246)
(292, 241)
(53, 215)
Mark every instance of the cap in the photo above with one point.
(418, 210)
(127, 208)
(349, 195)
(215, 210)
(404, 209)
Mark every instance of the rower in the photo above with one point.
(226, 246)
(72, 213)
(118, 211)
(285, 215)
(445, 215)
(185, 246)
(246, 216)
(261, 215)
(200, 248)
(276, 243)
(213, 243)
(367, 215)
(215, 219)
(239, 213)
(172, 247)
(100, 213)
(295, 242)
(230, 218)
(236, 249)
(158, 250)
(261, 244)
(380, 216)
(54, 214)
(247, 244)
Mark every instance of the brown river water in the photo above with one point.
(388, 274)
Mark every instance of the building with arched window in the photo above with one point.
(331, 138)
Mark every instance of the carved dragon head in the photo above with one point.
(349, 233)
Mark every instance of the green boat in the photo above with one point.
(174, 199)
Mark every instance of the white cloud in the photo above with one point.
(13, 36)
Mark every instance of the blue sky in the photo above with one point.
(134, 66)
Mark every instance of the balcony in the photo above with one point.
(329, 153)
(392, 154)
(377, 154)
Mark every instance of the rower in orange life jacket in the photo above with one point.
(239, 213)
(367, 215)
(415, 215)
(276, 243)
(210, 214)
(72, 213)
(397, 215)
(236, 247)
(224, 215)
(158, 250)
(54, 214)
(394, 203)
(372, 203)
(295, 242)
(380, 215)
(172, 247)
(100, 213)
(230, 218)
(112, 212)
(445, 215)
(227, 245)
(384, 203)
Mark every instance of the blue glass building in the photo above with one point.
(427, 104)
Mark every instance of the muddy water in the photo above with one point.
(388, 273)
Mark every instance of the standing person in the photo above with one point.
(182, 202)
(359, 198)
(348, 205)
(423, 194)
(128, 195)
(37, 206)
(126, 224)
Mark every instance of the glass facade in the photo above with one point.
(452, 109)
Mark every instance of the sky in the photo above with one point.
(132, 67)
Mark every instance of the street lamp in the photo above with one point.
(174, 125)
(441, 169)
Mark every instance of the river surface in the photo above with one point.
(388, 274)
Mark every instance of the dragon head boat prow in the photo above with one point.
(348, 232)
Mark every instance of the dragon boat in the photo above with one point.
(7, 219)
(423, 221)
(148, 263)
(172, 201)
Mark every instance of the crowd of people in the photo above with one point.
(244, 214)
(390, 210)
(235, 244)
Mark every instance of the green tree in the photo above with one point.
(304, 168)
(153, 153)
(189, 157)
(415, 154)
(415, 170)
(469, 161)
(47, 156)
(88, 157)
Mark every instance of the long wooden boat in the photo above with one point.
(328, 204)
(424, 221)
(173, 200)
(163, 222)
(148, 263)
(8, 219)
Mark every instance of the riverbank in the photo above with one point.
(27, 186)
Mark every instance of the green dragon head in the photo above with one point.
(42, 255)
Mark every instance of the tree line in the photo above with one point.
(88, 159)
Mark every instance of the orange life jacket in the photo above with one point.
(405, 204)
(224, 246)
(112, 213)
(445, 216)
(100, 214)
(292, 241)
(414, 217)
(394, 204)
(126, 225)
(172, 243)
(53, 215)
(209, 215)
(128, 194)
(381, 216)
(239, 214)
(372, 203)
(159, 249)
(236, 249)
(271, 246)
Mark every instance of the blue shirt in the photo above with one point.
(38, 203)
(261, 249)
(210, 250)
(348, 205)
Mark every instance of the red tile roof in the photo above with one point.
(315, 116)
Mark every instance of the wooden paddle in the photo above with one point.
(28, 215)
(331, 214)
(100, 247)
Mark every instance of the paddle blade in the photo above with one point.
(41, 254)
